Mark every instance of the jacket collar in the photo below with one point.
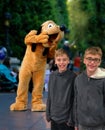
(99, 73)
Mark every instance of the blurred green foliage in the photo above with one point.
(87, 23)
(27, 15)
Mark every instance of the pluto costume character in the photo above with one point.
(41, 45)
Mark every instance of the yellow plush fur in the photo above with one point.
(34, 65)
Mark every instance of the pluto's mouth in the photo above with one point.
(52, 37)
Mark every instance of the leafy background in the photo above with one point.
(84, 21)
(26, 16)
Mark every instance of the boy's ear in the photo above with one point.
(55, 62)
(84, 61)
(100, 62)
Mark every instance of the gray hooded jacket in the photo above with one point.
(89, 104)
(60, 97)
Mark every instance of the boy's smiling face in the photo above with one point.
(62, 62)
(92, 62)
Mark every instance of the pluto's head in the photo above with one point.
(55, 32)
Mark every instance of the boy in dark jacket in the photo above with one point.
(61, 94)
(89, 101)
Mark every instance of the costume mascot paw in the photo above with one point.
(41, 45)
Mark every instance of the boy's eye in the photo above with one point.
(58, 60)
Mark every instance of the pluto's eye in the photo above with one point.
(50, 25)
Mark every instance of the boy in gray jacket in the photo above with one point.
(61, 94)
(89, 104)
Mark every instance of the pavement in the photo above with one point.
(20, 120)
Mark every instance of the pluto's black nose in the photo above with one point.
(62, 28)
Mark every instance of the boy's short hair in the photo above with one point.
(94, 51)
(60, 52)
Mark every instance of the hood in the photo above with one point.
(99, 73)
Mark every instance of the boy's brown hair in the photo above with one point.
(93, 51)
(60, 52)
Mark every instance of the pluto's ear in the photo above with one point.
(45, 52)
(33, 44)
(33, 47)
(39, 30)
